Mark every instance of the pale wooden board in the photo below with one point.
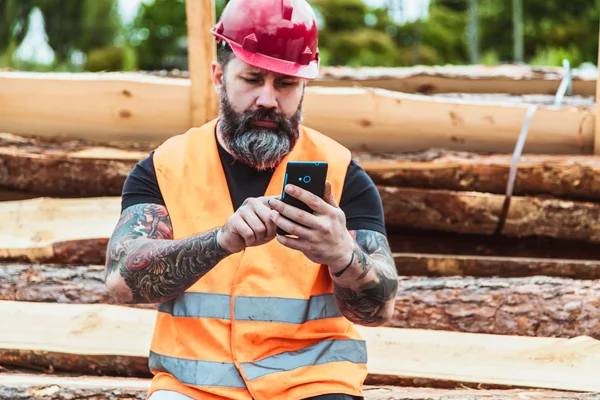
(552, 363)
(124, 107)
(31, 227)
(56, 387)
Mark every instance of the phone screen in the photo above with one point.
(308, 175)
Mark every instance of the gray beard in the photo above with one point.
(258, 147)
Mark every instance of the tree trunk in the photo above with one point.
(478, 213)
(44, 387)
(535, 306)
(573, 176)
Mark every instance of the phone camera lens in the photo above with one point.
(306, 179)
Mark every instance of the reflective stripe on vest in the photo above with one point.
(208, 373)
(263, 309)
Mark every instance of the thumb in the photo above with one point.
(328, 195)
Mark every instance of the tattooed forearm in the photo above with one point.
(145, 265)
(366, 289)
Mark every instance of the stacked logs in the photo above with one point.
(535, 278)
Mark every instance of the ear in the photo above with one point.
(217, 76)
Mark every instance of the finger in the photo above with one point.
(264, 213)
(289, 226)
(314, 202)
(240, 227)
(254, 223)
(292, 243)
(295, 214)
(328, 195)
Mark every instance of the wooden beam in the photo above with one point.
(110, 107)
(84, 169)
(72, 337)
(77, 230)
(200, 16)
(572, 176)
(57, 230)
(493, 249)
(507, 306)
(479, 213)
(427, 264)
(41, 387)
(508, 78)
(597, 131)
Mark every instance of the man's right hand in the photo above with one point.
(251, 225)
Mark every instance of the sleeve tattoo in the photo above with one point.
(366, 291)
(144, 264)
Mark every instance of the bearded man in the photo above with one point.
(245, 313)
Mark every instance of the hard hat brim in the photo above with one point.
(310, 71)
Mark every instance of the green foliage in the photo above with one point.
(14, 22)
(158, 33)
(353, 33)
(364, 47)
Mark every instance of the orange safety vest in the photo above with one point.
(263, 323)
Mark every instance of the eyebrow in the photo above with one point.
(260, 74)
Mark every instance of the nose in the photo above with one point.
(266, 96)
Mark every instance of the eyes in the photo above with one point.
(284, 83)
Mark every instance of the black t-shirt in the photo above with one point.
(360, 199)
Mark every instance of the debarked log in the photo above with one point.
(73, 338)
(57, 230)
(479, 213)
(575, 176)
(76, 231)
(118, 107)
(514, 79)
(56, 387)
(533, 306)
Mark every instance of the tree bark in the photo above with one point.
(79, 169)
(478, 213)
(449, 243)
(414, 264)
(535, 306)
(56, 284)
(67, 169)
(51, 387)
(576, 177)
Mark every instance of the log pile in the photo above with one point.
(489, 307)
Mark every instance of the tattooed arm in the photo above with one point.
(366, 288)
(145, 265)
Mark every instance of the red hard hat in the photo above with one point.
(276, 35)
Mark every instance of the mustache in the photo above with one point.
(281, 122)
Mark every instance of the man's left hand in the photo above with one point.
(321, 236)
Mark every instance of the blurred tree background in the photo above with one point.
(90, 35)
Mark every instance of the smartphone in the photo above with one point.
(308, 175)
